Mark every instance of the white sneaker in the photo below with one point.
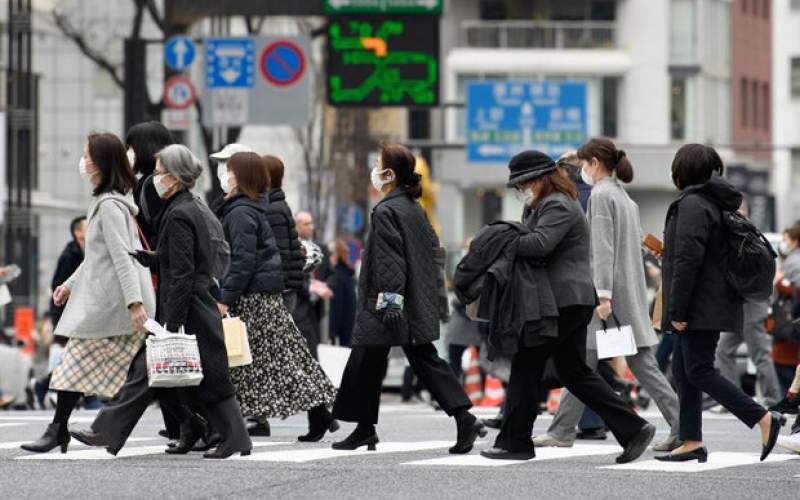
(548, 441)
(791, 443)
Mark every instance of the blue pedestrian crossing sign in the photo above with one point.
(179, 52)
(230, 63)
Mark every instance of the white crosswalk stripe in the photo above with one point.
(475, 460)
(87, 453)
(311, 454)
(716, 460)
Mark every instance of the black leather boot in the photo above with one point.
(192, 431)
(56, 435)
(320, 421)
(468, 432)
(363, 435)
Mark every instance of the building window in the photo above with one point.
(744, 104)
(610, 105)
(678, 109)
(767, 103)
(744, 6)
(795, 78)
(766, 9)
(683, 31)
(754, 100)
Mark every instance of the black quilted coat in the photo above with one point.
(281, 221)
(184, 296)
(399, 258)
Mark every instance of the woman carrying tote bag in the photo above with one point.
(109, 297)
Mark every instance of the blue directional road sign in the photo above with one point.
(351, 218)
(179, 52)
(505, 118)
(230, 63)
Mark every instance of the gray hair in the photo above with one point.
(179, 161)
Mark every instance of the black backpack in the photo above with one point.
(220, 249)
(748, 258)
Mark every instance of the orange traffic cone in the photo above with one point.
(472, 378)
(553, 400)
(493, 392)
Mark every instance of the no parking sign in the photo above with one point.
(280, 90)
(179, 93)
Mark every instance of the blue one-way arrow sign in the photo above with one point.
(179, 52)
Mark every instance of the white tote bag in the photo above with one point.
(173, 359)
(615, 342)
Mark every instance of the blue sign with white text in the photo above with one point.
(179, 52)
(505, 118)
(230, 63)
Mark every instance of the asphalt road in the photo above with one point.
(411, 462)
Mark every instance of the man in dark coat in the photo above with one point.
(68, 262)
(310, 298)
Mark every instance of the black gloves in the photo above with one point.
(393, 318)
(144, 257)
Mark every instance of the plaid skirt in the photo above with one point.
(96, 367)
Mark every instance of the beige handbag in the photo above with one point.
(236, 342)
(657, 312)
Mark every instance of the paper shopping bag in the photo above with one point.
(236, 342)
(615, 342)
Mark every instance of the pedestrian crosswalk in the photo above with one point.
(288, 452)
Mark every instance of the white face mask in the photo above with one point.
(82, 167)
(161, 190)
(785, 249)
(586, 178)
(131, 157)
(225, 182)
(377, 182)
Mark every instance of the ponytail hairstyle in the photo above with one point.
(613, 160)
(401, 161)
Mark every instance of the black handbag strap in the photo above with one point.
(616, 320)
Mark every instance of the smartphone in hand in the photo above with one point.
(653, 244)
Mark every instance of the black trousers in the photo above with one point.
(694, 373)
(569, 356)
(359, 396)
(117, 419)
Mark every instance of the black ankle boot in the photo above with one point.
(362, 436)
(260, 429)
(469, 429)
(320, 421)
(56, 435)
(223, 451)
(192, 431)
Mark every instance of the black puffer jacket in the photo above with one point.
(399, 258)
(280, 219)
(68, 262)
(255, 259)
(694, 286)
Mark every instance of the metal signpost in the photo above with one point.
(505, 118)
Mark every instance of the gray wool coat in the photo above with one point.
(617, 261)
(109, 279)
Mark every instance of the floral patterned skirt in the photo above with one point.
(284, 379)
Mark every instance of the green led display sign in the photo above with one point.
(383, 61)
(383, 6)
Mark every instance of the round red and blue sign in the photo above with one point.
(283, 63)
(179, 93)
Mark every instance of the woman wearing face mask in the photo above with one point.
(397, 306)
(183, 263)
(618, 274)
(283, 379)
(560, 237)
(698, 301)
(785, 352)
(108, 298)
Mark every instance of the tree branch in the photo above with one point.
(152, 8)
(136, 31)
(69, 31)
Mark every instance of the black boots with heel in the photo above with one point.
(55, 436)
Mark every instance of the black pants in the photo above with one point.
(694, 373)
(569, 355)
(118, 418)
(454, 355)
(359, 396)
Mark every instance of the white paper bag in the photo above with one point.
(5, 295)
(615, 342)
(333, 360)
